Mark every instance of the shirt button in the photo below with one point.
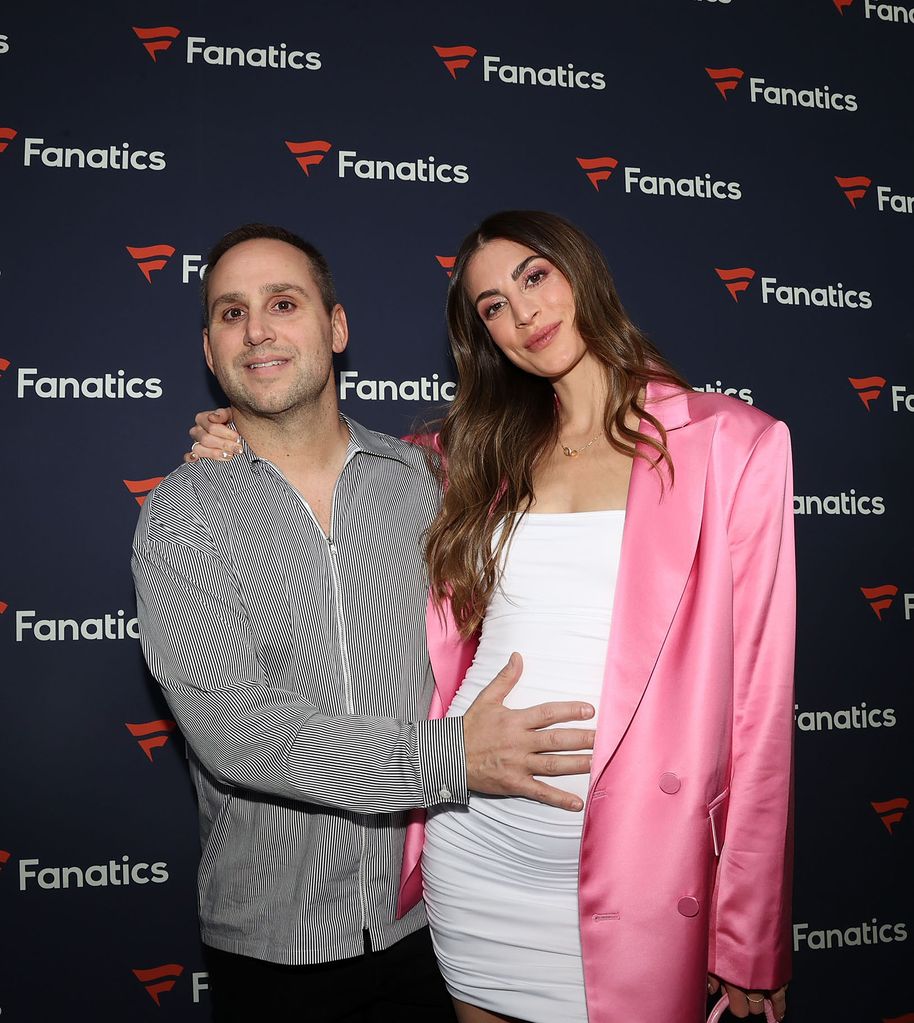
(444, 793)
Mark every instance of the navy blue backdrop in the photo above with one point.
(746, 166)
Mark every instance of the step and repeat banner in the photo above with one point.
(748, 168)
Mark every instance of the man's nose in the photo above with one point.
(258, 330)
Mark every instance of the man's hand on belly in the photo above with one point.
(507, 749)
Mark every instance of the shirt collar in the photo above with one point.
(361, 439)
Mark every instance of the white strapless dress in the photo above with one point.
(501, 875)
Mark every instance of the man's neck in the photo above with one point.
(308, 442)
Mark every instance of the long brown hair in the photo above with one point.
(504, 420)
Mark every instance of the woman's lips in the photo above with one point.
(542, 338)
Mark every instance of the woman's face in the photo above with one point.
(527, 306)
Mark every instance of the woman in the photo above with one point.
(634, 540)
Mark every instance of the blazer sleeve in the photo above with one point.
(751, 936)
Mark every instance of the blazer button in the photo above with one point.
(670, 783)
(688, 906)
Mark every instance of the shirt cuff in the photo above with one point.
(442, 761)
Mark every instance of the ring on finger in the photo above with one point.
(194, 446)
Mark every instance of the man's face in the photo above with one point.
(270, 340)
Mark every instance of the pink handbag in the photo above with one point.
(718, 1010)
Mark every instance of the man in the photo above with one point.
(281, 597)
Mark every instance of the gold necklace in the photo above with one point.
(574, 452)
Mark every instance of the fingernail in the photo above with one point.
(225, 454)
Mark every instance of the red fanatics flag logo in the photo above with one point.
(455, 58)
(725, 78)
(309, 154)
(854, 188)
(736, 279)
(159, 979)
(157, 40)
(447, 263)
(880, 597)
(141, 488)
(151, 735)
(868, 388)
(6, 136)
(891, 811)
(597, 168)
(150, 258)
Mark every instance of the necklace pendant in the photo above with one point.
(570, 452)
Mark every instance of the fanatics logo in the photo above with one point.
(447, 263)
(268, 57)
(725, 78)
(597, 168)
(425, 169)
(3, 606)
(151, 735)
(823, 296)
(899, 14)
(159, 979)
(891, 811)
(866, 933)
(455, 58)
(141, 488)
(156, 40)
(116, 156)
(880, 597)
(6, 136)
(150, 258)
(494, 69)
(696, 186)
(854, 188)
(111, 385)
(309, 154)
(423, 389)
(4, 366)
(868, 388)
(818, 97)
(4, 858)
(736, 279)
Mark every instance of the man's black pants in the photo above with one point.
(399, 985)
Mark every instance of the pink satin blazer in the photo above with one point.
(686, 853)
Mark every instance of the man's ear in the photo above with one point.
(340, 328)
(207, 352)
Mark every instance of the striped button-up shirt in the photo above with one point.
(296, 666)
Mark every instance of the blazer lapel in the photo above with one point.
(658, 549)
